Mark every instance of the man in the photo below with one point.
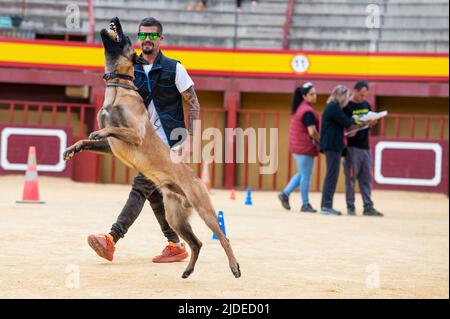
(358, 159)
(162, 84)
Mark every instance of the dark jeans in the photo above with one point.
(358, 166)
(143, 189)
(333, 159)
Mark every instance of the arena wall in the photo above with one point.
(234, 90)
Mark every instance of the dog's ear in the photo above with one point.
(137, 59)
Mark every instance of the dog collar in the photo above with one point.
(111, 76)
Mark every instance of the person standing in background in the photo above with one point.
(358, 158)
(333, 123)
(303, 144)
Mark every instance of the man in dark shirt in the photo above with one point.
(358, 159)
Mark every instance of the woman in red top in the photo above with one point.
(303, 144)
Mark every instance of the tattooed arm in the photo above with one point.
(194, 108)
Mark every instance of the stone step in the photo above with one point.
(360, 7)
(261, 19)
(183, 16)
(343, 2)
(369, 46)
(218, 6)
(50, 28)
(421, 9)
(213, 5)
(366, 33)
(328, 20)
(324, 7)
(410, 22)
(37, 3)
(330, 45)
(265, 7)
(52, 25)
(145, 5)
(53, 13)
(343, 21)
(260, 32)
(244, 43)
(410, 46)
(414, 2)
(422, 35)
(170, 29)
(333, 33)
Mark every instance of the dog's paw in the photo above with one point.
(95, 136)
(236, 270)
(187, 273)
(70, 152)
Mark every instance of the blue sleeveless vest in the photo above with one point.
(168, 101)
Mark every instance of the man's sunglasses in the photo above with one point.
(152, 35)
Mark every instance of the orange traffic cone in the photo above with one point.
(31, 188)
(233, 194)
(205, 176)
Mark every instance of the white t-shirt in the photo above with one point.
(183, 82)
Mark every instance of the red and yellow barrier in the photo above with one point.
(259, 63)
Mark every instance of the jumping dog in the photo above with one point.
(126, 132)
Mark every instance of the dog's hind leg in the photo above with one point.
(178, 211)
(199, 199)
(124, 134)
(101, 146)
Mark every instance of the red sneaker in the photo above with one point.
(171, 253)
(103, 245)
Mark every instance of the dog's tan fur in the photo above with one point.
(126, 132)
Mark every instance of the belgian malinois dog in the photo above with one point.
(126, 132)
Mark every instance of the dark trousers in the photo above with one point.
(143, 189)
(333, 160)
(358, 166)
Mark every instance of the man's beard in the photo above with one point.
(147, 50)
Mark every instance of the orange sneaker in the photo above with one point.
(103, 245)
(172, 253)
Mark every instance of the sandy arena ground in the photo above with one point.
(282, 254)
